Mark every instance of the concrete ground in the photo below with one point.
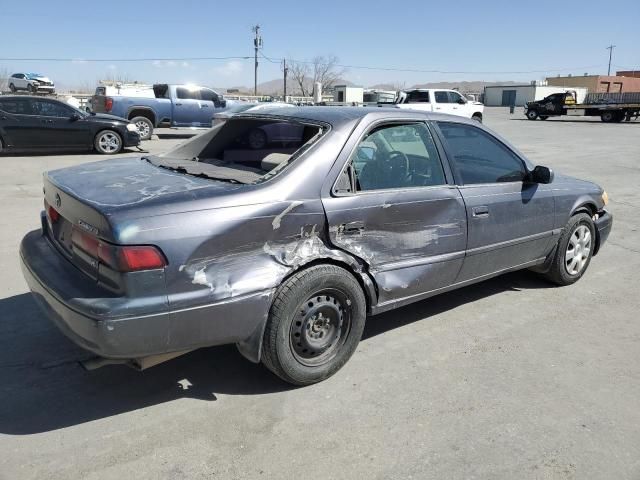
(508, 379)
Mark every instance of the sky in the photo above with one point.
(448, 41)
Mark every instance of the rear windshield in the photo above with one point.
(243, 150)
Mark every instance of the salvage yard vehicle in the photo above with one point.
(610, 107)
(286, 250)
(44, 124)
(31, 82)
(440, 101)
(170, 105)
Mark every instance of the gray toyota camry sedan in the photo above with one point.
(286, 249)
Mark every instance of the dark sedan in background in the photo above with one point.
(43, 124)
(285, 253)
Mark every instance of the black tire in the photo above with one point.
(1, 146)
(145, 127)
(532, 114)
(30, 88)
(608, 117)
(477, 117)
(560, 273)
(257, 139)
(543, 117)
(108, 142)
(294, 347)
(12, 87)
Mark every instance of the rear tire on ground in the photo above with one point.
(257, 139)
(477, 117)
(314, 325)
(108, 142)
(532, 114)
(608, 117)
(574, 251)
(145, 127)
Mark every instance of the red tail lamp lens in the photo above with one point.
(54, 216)
(141, 258)
(108, 104)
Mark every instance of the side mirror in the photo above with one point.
(462, 101)
(74, 117)
(541, 174)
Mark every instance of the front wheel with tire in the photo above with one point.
(108, 142)
(144, 126)
(12, 87)
(314, 325)
(532, 114)
(574, 251)
(30, 89)
(477, 117)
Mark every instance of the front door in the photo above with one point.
(510, 220)
(443, 102)
(394, 207)
(60, 128)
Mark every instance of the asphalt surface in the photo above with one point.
(511, 378)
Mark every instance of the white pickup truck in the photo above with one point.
(440, 101)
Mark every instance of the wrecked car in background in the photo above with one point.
(286, 249)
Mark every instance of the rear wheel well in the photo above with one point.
(142, 112)
(368, 293)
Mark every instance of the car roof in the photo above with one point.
(337, 116)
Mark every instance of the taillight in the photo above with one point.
(54, 216)
(122, 258)
(108, 104)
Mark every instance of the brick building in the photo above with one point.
(599, 83)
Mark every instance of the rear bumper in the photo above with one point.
(604, 223)
(56, 284)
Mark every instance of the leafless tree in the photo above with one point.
(4, 78)
(324, 70)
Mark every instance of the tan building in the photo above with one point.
(598, 83)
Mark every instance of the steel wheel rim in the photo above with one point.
(143, 128)
(109, 142)
(321, 327)
(256, 139)
(578, 250)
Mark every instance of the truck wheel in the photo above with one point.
(607, 117)
(574, 251)
(108, 142)
(314, 325)
(477, 117)
(144, 126)
(257, 139)
(30, 88)
(532, 114)
(12, 87)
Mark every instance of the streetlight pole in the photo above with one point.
(610, 48)
(285, 70)
(257, 43)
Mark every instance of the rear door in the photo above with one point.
(21, 127)
(395, 207)
(510, 221)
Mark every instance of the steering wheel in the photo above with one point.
(397, 165)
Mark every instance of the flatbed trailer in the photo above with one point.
(610, 107)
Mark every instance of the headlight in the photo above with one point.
(132, 127)
(605, 198)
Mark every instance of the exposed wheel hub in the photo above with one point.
(316, 333)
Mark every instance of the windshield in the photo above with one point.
(240, 107)
(33, 75)
(243, 150)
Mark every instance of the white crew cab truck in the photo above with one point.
(440, 101)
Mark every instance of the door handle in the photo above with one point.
(204, 105)
(177, 104)
(351, 228)
(480, 212)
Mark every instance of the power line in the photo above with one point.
(154, 59)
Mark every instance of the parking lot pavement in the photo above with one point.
(510, 378)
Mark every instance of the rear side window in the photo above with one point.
(187, 93)
(418, 97)
(479, 157)
(18, 106)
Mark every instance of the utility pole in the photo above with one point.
(257, 43)
(610, 48)
(285, 70)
